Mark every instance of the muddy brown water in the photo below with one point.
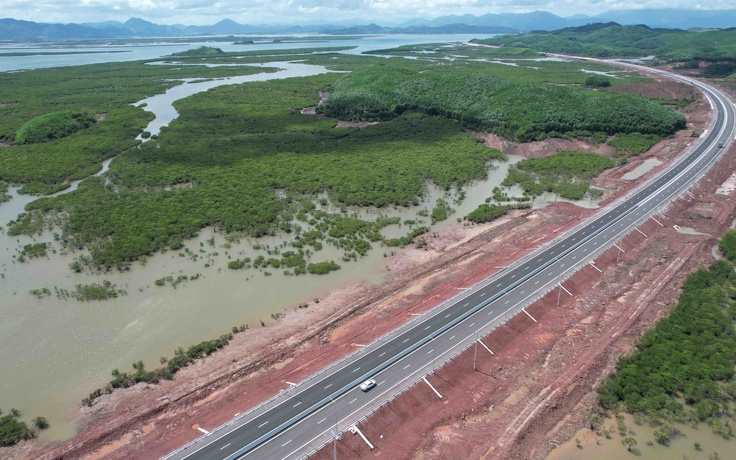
(680, 447)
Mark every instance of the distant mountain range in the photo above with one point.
(542, 20)
(17, 30)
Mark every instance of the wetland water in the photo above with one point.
(53, 352)
(680, 447)
(162, 104)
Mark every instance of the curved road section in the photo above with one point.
(309, 415)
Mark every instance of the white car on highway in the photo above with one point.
(367, 385)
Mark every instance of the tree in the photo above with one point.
(595, 421)
(41, 423)
(662, 436)
(597, 81)
(629, 443)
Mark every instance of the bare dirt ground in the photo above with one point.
(533, 393)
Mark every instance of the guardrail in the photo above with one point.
(550, 285)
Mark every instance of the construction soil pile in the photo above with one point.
(534, 392)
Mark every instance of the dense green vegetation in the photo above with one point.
(530, 67)
(441, 50)
(322, 268)
(489, 212)
(255, 144)
(106, 90)
(522, 112)
(201, 51)
(33, 250)
(13, 430)
(567, 174)
(52, 126)
(83, 292)
(727, 245)
(633, 143)
(720, 69)
(683, 369)
(614, 40)
(242, 158)
(94, 291)
(597, 81)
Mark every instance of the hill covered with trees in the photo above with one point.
(518, 111)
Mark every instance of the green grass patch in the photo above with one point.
(633, 143)
(567, 173)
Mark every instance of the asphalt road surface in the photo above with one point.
(306, 416)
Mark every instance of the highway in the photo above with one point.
(305, 417)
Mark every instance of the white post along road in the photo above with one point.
(305, 417)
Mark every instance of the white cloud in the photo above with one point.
(301, 11)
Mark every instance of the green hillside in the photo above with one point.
(519, 111)
(52, 126)
(614, 40)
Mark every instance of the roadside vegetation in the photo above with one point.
(567, 174)
(633, 144)
(682, 370)
(727, 245)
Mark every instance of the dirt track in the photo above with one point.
(534, 392)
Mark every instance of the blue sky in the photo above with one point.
(385, 12)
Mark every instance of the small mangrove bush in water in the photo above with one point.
(88, 292)
(12, 430)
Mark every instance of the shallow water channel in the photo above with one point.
(53, 352)
(162, 104)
